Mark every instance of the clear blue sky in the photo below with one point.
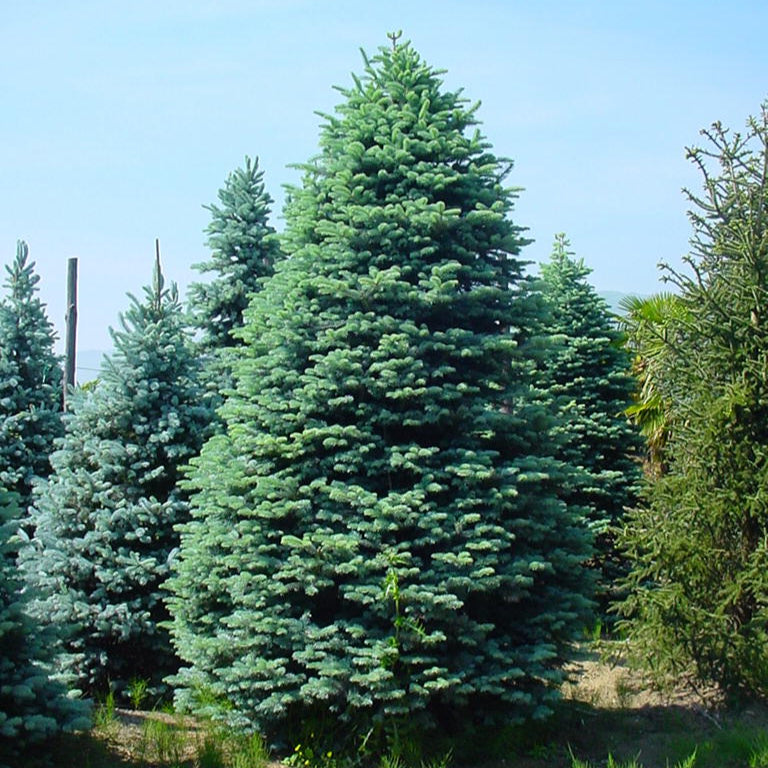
(121, 120)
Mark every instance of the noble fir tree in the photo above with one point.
(105, 518)
(33, 706)
(30, 381)
(700, 583)
(587, 374)
(244, 247)
(377, 535)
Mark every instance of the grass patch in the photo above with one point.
(576, 737)
(609, 718)
(689, 762)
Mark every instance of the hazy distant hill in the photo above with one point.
(89, 363)
(614, 298)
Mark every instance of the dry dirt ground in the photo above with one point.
(611, 709)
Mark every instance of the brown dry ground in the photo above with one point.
(607, 709)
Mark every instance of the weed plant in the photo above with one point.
(105, 715)
(164, 742)
(138, 689)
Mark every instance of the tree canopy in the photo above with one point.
(244, 248)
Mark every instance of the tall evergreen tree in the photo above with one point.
(105, 518)
(30, 381)
(587, 372)
(244, 248)
(378, 527)
(33, 707)
(700, 599)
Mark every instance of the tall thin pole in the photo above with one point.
(70, 317)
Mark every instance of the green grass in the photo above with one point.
(689, 762)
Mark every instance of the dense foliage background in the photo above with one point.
(699, 586)
(369, 478)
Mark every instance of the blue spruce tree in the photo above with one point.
(105, 518)
(587, 374)
(30, 381)
(377, 535)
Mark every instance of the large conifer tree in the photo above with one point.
(377, 534)
(700, 599)
(30, 381)
(587, 373)
(105, 518)
(33, 707)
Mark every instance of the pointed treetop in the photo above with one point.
(158, 281)
(563, 266)
(561, 250)
(30, 380)
(394, 37)
(21, 280)
(22, 251)
(244, 248)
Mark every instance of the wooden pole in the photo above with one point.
(70, 317)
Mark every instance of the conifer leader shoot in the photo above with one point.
(377, 534)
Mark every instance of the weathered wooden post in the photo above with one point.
(70, 317)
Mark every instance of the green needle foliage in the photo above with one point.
(30, 381)
(587, 372)
(376, 538)
(700, 599)
(33, 707)
(105, 518)
(244, 248)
